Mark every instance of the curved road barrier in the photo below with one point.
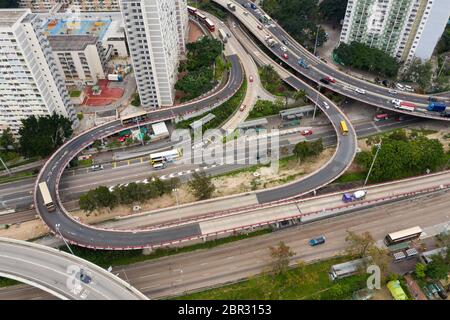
(61, 274)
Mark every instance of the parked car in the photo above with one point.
(331, 79)
(306, 132)
(316, 241)
(361, 91)
(97, 167)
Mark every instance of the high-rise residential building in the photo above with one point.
(38, 5)
(30, 82)
(154, 33)
(404, 29)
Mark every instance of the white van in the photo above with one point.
(400, 86)
(409, 88)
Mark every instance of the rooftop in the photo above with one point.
(9, 17)
(61, 27)
(71, 43)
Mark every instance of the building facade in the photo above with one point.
(153, 32)
(81, 59)
(82, 5)
(30, 82)
(404, 29)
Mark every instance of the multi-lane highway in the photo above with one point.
(246, 258)
(345, 84)
(60, 274)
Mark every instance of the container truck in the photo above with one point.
(436, 106)
(357, 195)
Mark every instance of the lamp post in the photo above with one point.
(57, 229)
(317, 102)
(175, 190)
(373, 162)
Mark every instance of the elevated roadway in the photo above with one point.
(58, 273)
(375, 95)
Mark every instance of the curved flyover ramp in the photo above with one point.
(58, 273)
(345, 84)
(89, 236)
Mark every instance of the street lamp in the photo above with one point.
(317, 102)
(373, 162)
(67, 245)
(6, 168)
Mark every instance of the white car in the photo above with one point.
(326, 105)
(396, 101)
(361, 91)
(392, 91)
(400, 86)
(283, 48)
(409, 88)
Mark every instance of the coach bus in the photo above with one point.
(403, 236)
(48, 201)
(344, 128)
(158, 160)
(210, 25)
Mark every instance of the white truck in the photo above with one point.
(115, 77)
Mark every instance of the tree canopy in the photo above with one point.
(9, 4)
(299, 18)
(201, 186)
(7, 140)
(333, 10)
(280, 256)
(419, 72)
(306, 149)
(40, 136)
(363, 57)
(399, 159)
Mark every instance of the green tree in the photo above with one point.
(270, 78)
(306, 149)
(280, 256)
(333, 10)
(419, 72)
(300, 95)
(40, 136)
(444, 43)
(88, 202)
(7, 140)
(136, 102)
(9, 4)
(439, 267)
(420, 270)
(302, 25)
(201, 185)
(359, 245)
(363, 57)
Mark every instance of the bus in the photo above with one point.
(223, 36)
(379, 117)
(191, 10)
(210, 25)
(158, 160)
(134, 118)
(48, 201)
(201, 16)
(344, 128)
(402, 236)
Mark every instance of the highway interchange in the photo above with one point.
(108, 239)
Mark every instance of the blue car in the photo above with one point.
(316, 241)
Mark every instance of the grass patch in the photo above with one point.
(84, 163)
(5, 282)
(222, 112)
(305, 282)
(75, 94)
(17, 176)
(351, 177)
(105, 259)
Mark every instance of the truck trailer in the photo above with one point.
(437, 106)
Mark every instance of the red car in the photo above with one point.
(306, 132)
(285, 56)
(260, 27)
(331, 79)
